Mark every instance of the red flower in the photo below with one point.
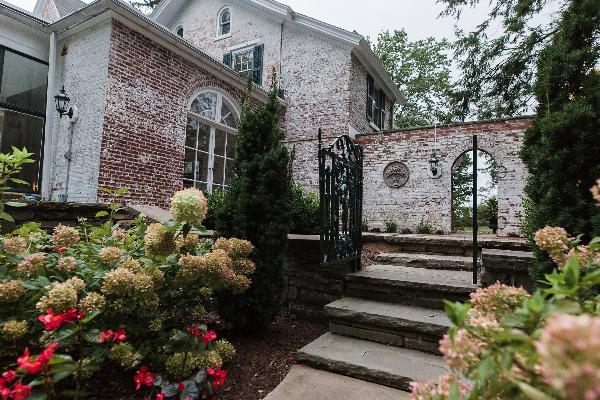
(192, 330)
(160, 396)
(4, 393)
(51, 321)
(9, 376)
(180, 387)
(29, 364)
(218, 377)
(209, 336)
(106, 336)
(119, 336)
(143, 378)
(72, 315)
(20, 391)
(48, 353)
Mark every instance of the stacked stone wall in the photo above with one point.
(424, 200)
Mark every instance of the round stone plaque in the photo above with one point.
(396, 174)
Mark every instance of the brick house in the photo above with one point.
(156, 98)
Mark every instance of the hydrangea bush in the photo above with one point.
(121, 299)
(507, 344)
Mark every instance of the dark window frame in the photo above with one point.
(376, 103)
(26, 111)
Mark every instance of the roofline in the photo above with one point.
(450, 125)
(183, 47)
(360, 45)
(23, 16)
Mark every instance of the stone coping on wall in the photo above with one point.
(507, 266)
(450, 125)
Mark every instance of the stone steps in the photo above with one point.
(461, 245)
(411, 286)
(304, 383)
(373, 362)
(429, 261)
(400, 325)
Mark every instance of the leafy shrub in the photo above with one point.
(133, 298)
(506, 344)
(390, 226)
(487, 213)
(424, 228)
(257, 207)
(305, 212)
(11, 165)
(215, 202)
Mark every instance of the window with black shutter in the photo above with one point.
(370, 97)
(375, 104)
(382, 101)
(247, 61)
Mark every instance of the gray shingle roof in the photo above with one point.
(66, 7)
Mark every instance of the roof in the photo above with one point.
(166, 10)
(66, 7)
(21, 15)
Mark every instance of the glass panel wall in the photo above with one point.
(23, 84)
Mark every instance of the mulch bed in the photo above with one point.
(262, 361)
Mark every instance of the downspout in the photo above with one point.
(48, 131)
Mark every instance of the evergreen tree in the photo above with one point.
(257, 208)
(562, 148)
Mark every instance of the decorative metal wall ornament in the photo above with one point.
(396, 174)
(341, 191)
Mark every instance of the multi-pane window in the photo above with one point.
(210, 142)
(243, 61)
(375, 104)
(247, 61)
(224, 19)
(23, 84)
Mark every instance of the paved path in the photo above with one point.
(304, 383)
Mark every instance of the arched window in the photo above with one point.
(179, 31)
(210, 141)
(224, 22)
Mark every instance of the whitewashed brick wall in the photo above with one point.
(427, 200)
(82, 67)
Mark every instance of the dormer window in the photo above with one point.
(179, 31)
(224, 22)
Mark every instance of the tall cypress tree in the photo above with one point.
(257, 208)
(562, 148)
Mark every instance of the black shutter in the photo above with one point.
(227, 59)
(258, 64)
(370, 89)
(382, 109)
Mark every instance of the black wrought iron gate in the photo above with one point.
(341, 193)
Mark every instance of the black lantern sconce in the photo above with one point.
(62, 101)
(434, 166)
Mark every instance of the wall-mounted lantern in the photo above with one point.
(61, 100)
(434, 165)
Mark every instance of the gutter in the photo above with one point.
(48, 128)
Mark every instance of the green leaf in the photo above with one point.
(7, 217)
(101, 214)
(15, 204)
(65, 333)
(19, 181)
(533, 393)
(89, 317)
(121, 191)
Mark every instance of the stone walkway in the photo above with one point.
(386, 329)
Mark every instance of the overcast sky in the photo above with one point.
(369, 17)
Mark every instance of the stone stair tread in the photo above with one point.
(304, 383)
(386, 365)
(427, 256)
(426, 260)
(443, 280)
(390, 314)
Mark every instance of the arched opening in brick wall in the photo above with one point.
(462, 192)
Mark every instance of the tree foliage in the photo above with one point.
(257, 207)
(497, 60)
(562, 148)
(421, 69)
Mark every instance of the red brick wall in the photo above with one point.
(149, 88)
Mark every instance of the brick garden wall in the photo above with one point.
(149, 88)
(427, 200)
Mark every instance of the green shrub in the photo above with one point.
(257, 207)
(215, 202)
(390, 226)
(305, 212)
(424, 228)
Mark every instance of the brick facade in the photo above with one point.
(427, 200)
(149, 88)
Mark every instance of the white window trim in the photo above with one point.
(241, 50)
(213, 125)
(218, 35)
